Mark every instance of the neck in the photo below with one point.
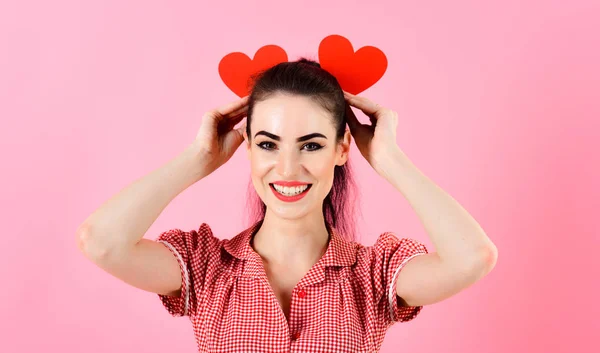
(291, 242)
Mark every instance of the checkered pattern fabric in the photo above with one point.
(345, 303)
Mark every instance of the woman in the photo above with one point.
(294, 280)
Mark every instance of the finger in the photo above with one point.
(232, 122)
(233, 139)
(232, 107)
(241, 106)
(372, 118)
(242, 111)
(235, 120)
(240, 129)
(368, 107)
(232, 118)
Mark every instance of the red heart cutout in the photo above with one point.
(236, 69)
(354, 71)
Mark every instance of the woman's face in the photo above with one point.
(293, 140)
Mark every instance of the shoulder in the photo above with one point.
(196, 241)
(384, 241)
(387, 247)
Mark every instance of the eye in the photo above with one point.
(267, 145)
(315, 145)
(262, 145)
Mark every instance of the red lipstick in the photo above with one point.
(290, 183)
(289, 198)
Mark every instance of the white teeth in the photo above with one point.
(290, 191)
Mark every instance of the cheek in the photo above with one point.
(260, 167)
(319, 166)
(261, 164)
(322, 167)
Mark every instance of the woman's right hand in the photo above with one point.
(217, 140)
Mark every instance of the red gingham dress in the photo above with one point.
(345, 303)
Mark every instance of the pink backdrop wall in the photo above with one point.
(498, 104)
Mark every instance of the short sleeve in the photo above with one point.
(194, 250)
(389, 255)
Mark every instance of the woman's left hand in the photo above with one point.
(376, 141)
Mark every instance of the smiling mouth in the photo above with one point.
(290, 193)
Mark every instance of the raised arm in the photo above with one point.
(112, 237)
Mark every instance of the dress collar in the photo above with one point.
(340, 252)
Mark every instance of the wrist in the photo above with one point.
(392, 162)
(198, 161)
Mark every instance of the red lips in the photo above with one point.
(290, 183)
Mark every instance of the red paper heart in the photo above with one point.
(236, 69)
(354, 71)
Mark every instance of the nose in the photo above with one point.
(288, 163)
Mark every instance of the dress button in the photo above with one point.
(295, 336)
(301, 293)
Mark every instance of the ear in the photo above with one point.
(247, 143)
(344, 148)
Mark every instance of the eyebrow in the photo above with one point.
(299, 139)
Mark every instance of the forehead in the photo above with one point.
(291, 115)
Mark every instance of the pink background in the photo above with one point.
(498, 104)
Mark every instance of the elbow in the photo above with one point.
(485, 261)
(82, 236)
(489, 257)
(91, 246)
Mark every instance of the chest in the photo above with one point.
(282, 282)
(241, 311)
